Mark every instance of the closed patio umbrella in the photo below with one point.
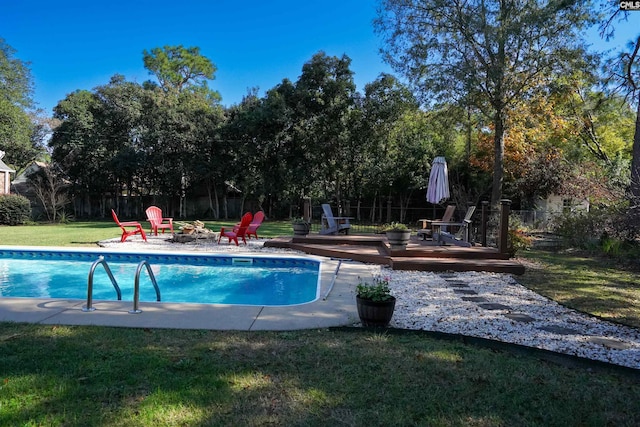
(438, 189)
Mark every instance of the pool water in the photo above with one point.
(211, 279)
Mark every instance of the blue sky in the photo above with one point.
(80, 44)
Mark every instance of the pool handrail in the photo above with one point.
(136, 286)
(102, 261)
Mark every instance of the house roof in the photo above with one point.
(4, 167)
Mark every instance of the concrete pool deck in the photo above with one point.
(338, 309)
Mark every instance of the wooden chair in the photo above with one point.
(238, 231)
(333, 224)
(137, 228)
(154, 216)
(427, 224)
(442, 234)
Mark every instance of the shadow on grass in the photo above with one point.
(59, 375)
(598, 286)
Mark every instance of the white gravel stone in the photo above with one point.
(428, 301)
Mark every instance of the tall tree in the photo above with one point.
(16, 126)
(625, 71)
(177, 67)
(491, 53)
(326, 96)
(174, 115)
(78, 148)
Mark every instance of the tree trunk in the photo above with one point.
(635, 162)
(496, 192)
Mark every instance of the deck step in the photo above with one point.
(474, 252)
(457, 264)
(415, 257)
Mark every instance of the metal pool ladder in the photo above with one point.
(102, 261)
(136, 286)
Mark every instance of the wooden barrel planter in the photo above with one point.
(301, 228)
(398, 240)
(375, 313)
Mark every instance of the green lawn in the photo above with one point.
(597, 285)
(89, 233)
(100, 376)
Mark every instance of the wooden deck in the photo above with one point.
(419, 255)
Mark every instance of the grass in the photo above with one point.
(592, 284)
(89, 233)
(77, 376)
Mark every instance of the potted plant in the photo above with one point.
(398, 235)
(300, 227)
(375, 303)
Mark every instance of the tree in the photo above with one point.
(176, 119)
(624, 71)
(177, 67)
(16, 126)
(325, 94)
(391, 150)
(487, 53)
(50, 187)
(77, 147)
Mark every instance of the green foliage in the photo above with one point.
(378, 290)
(14, 209)
(587, 230)
(177, 67)
(395, 226)
(17, 129)
(611, 246)
(517, 241)
(485, 54)
(517, 238)
(580, 229)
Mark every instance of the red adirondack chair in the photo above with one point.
(239, 231)
(154, 216)
(256, 222)
(126, 233)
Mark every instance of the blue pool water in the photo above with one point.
(184, 278)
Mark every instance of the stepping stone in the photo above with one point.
(520, 317)
(610, 343)
(494, 306)
(474, 299)
(458, 285)
(465, 291)
(560, 330)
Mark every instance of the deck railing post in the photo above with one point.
(306, 210)
(483, 222)
(505, 208)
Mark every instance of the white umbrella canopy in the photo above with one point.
(438, 189)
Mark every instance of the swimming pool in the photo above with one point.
(182, 278)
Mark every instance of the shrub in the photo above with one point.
(14, 209)
(517, 240)
(589, 230)
(378, 291)
(517, 237)
(395, 226)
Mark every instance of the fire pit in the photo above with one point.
(190, 232)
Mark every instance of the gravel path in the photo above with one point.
(478, 304)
